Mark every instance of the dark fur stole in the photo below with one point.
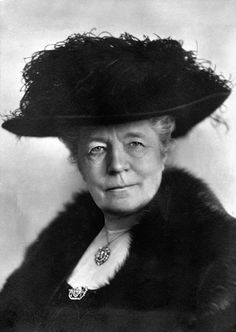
(180, 273)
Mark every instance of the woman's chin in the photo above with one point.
(122, 209)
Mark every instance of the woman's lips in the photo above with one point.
(120, 188)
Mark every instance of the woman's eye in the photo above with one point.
(97, 150)
(136, 144)
(136, 147)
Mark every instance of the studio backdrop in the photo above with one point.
(36, 176)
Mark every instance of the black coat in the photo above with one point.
(180, 274)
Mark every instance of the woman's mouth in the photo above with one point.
(119, 188)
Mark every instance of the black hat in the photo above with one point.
(99, 80)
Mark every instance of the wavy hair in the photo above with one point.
(164, 126)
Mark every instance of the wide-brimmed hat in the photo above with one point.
(101, 80)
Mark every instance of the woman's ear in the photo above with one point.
(163, 164)
(167, 153)
(164, 159)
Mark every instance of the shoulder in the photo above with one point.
(187, 184)
(186, 192)
(206, 231)
(49, 257)
(190, 206)
(71, 224)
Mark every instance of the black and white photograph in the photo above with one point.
(117, 166)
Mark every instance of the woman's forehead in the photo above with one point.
(142, 128)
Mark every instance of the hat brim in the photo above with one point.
(186, 117)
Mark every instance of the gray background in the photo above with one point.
(35, 175)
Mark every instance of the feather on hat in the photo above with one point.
(99, 80)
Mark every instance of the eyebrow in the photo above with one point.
(135, 134)
(130, 133)
(98, 138)
(127, 135)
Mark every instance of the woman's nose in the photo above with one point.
(117, 161)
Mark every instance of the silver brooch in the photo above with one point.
(102, 255)
(77, 293)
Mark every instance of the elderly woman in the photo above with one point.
(146, 248)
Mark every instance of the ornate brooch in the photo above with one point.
(77, 293)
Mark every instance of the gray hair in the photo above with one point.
(164, 126)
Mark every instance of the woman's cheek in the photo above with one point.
(149, 168)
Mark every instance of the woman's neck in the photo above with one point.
(113, 222)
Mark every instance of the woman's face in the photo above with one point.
(122, 165)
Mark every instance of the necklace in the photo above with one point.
(103, 253)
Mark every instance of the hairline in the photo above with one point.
(163, 126)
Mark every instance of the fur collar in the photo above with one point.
(184, 234)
